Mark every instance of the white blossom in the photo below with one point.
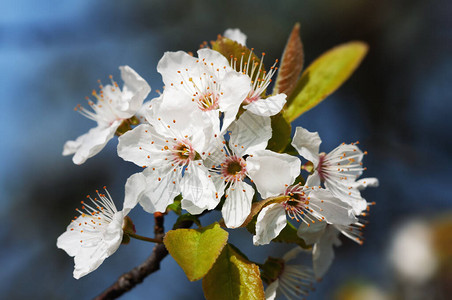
(114, 105)
(200, 89)
(228, 166)
(260, 80)
(173, 164)
(256, 100)
(337, 170)
(274, 175)
(95, 234)
(293, 282)
(323, 237)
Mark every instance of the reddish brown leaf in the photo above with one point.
(291, 63)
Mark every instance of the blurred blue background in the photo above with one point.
(397, 104)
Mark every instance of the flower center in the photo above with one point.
(297, 205)
(94, 217)
(251, 98)
(233, 168)
(104, 111)
(183, 153)
(322, 167)
(208, 101)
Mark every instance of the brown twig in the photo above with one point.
(129, 280)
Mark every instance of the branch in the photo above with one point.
(129, 280)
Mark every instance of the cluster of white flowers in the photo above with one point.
(205, 138)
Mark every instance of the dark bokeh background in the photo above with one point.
(397, 104)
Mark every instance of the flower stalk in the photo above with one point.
(143, 238)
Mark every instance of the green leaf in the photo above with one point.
(251, 226)
(233, 277)
(186, 217)
(289, 235)
(176, 205)
(195, 250)
(323, 77)
(281, 133)
(291, 64)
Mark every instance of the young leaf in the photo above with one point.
(195, 250)
(186, 217)
(324, 76)
(175, 206)
(291, 64)
(281, 133)
(233, 277)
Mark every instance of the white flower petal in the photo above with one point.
(272, 172)
(323, 252)
(171, 62)
(291, 254)
(136, 86)
(198, 189)
(238, 204)
(112, 108)
(313, 179)
(312, 233)
(235, 87)
(143, 111)
(191, 207)
(162, 186)
(90, 257)
(347, 194)
(236, 35)
(135, 186)
(350, 193)
(137, 144)
(331, 208)
(270, 221)
(210, 57)
(365, 182)
(206, 83)
(219, 183)
(69, 241)
(250, 133)
(130, 143)
(307, 144)
(175, 108)
(114, 232)
(270, 291)
(267, 107)
(94, 235)
(343, 164)
(91, 143)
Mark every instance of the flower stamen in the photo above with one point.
(233, 168)
(260, 79)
